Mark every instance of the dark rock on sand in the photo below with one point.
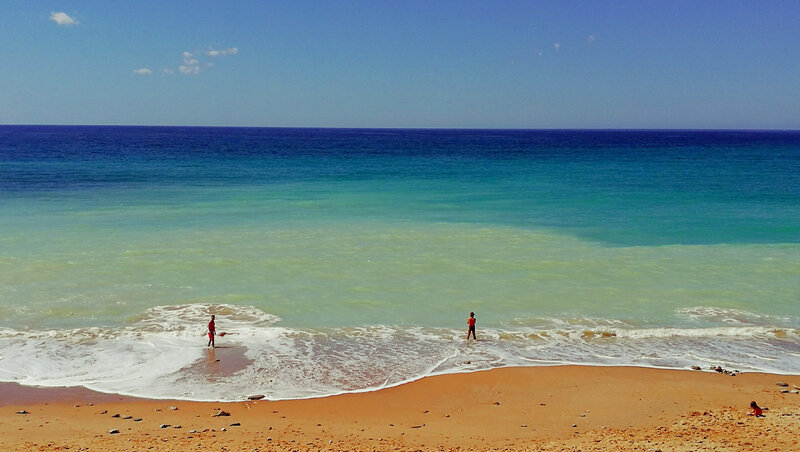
(112, 432)
(256, 397)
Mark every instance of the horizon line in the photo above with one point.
(542, 129)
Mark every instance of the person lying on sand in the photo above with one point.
(755, 410)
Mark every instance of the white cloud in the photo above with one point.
(167, 71)
(190, 64)
(62, 18)
(557, 46)
(217, 53)
(142, 71)
(591, 39)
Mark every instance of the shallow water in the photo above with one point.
(346, 260)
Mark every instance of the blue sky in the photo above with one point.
(467, 63)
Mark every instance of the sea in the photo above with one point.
(348, 260)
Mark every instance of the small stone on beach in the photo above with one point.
(115, 415)
(173, 408)
(256, 397)
(112, 432)
(780, 383)
(23, 412)
(235, 424)
(164, 426)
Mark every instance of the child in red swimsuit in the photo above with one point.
(211, 331)
(471, 324)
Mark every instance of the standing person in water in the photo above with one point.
(212, 330)
(471, 324)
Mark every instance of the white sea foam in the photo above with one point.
(161, 353)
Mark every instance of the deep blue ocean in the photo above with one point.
(348, 259)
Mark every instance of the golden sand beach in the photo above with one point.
(536, 408)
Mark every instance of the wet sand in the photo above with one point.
(542, 408)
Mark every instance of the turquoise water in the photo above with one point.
(346, 260)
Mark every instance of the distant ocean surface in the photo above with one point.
(349, 260)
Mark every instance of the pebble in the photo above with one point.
(138, 419)
(795, 391)
(115, 415)
(235, 424)
(695, 367)
(256, 397)
(163, 426)
(23, 412)
(176, 426)
(192, 431)
(784, 391)
(780, 383)
(574, 425)
(223, 429)
(127, 417)
(173, 408)
(221, 413)
(104, 412)
(113, 431)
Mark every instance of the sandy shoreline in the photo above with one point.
(540, 408)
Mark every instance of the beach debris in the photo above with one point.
(416, 426)
(235, 424)
(23, 412)
(221, 413)
(256, 397)
(781, 383)
(163, 426)
(173, 408)
(113, 431)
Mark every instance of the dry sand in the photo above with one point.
(539, 408)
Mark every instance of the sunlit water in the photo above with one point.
(347, 260)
